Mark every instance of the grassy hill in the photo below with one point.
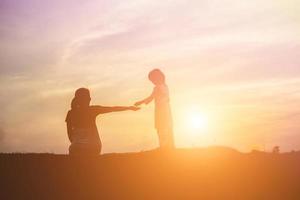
(211, 173)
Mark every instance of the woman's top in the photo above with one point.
(83, 125)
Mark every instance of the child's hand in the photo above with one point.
(138, 103)
(134, 108)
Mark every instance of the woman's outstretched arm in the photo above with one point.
(108, 109)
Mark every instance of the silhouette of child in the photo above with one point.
(163, 116)
(81, 123)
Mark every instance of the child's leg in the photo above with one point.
(170, 138)
(161, 138)
(165, 138)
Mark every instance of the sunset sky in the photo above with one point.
(234, 63)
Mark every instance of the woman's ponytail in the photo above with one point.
(74, 103)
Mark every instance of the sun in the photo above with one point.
(197, 121)
(194, 126)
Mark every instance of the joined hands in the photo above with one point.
(138, 103)
(134, 108)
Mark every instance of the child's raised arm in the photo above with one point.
(147, 100)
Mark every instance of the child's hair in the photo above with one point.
(157, 76)
(81, 94)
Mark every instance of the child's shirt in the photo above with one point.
(161, 95)
(163, 116)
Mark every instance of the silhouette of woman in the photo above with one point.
(163, 116)
(81, 123)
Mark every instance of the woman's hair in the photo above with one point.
(157, 76)
(81, 95)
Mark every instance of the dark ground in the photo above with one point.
(212, 173)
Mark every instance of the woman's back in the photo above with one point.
(83, 123)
